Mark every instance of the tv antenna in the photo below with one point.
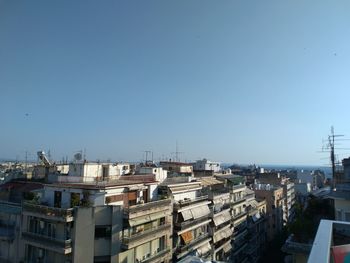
(146, 156)
(177, 153)
(330, 147)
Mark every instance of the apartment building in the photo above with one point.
(220, 228)
(99, 222)
(256, 225)
(274, 206)
(147, 232)
(191, 218)
(10, 227)
(237, 189)
(278, 179)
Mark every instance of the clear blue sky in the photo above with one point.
(233, 81)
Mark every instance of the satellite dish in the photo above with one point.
(78, 157)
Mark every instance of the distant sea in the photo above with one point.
(326, 169)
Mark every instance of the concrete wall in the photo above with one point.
(181, 196)
(160, 174)
(84, 236)
(117, 226)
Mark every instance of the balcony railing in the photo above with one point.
(156, 256)
(147, 206)
(149, 232)
(187, 224)
(198, 240)
(188, 202)
(237, 216)
(48, 211)
(47, 241)
(238, 200)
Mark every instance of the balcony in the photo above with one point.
(187, 202)
(50, 243)
(154, 232)
(187, 224)
(157, 256)
(237, 201)
(193, 243)
(148, 208)
(48, 212)
(238, 216)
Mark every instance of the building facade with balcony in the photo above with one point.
(147, 232)
(257, 226)
(116, 221)
(275, 202)
(10, 235)
(221, 229)
(191, 218)
(237, 190)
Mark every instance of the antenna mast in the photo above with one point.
(331, 147)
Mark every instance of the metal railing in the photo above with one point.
(193, 242)
(155, 256)
(237, 216)
(187, 224)
(188, 202)
(147, 206)
(134, 237)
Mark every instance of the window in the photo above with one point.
(162, 221)
(57, 199)
(162, 243)
(102, 232)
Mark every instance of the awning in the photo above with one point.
(227, 247)
(158, 215)
(186, 214)
(139, 220)
(224, 217)
(194, 227)
(225, 198)
(222, 234)
(203, 249)
(147, 218)
(218, 220)
(200, 211)
(187, 237)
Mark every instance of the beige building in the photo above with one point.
(221, 229)
(274, 206)
(191, 218)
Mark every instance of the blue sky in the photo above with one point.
(233, 81)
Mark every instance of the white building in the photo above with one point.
(206, 165)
